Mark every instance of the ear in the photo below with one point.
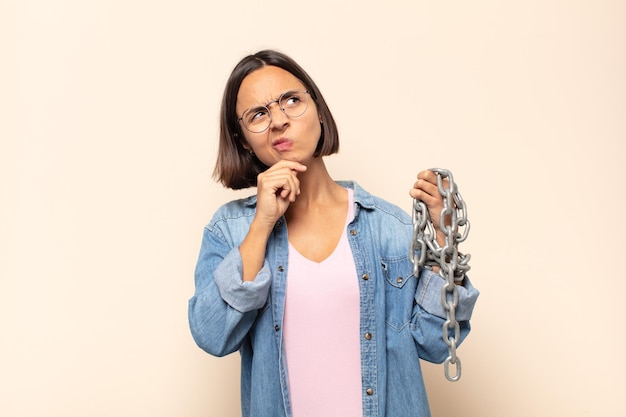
(246, 145)
(241, 139)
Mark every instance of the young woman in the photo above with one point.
(310, 279)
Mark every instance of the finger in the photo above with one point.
(287, 168)
(426, 180)
(428, 175)
(424, 186)
(278, 185)
(292, 165)
(283, 182)
(431, 201)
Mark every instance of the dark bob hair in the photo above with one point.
(238, 168)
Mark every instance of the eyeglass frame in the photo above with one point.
(269, 112)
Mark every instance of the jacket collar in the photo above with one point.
(361, 197)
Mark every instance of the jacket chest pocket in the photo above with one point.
(400, 287)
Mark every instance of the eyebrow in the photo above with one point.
(276, 100)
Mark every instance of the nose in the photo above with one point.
(278, 118)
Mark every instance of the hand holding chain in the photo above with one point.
(426, 253)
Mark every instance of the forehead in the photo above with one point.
(264, 85)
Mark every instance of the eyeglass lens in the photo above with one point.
(293, 103)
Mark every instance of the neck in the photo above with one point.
(316, 187)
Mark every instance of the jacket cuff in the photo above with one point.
(428, 295)
(242, 296)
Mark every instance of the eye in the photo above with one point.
(256, 114)
(291, 99)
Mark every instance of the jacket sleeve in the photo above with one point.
(223, 307)
(430, 315)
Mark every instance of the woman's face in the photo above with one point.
(290, 138)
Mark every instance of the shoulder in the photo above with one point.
(235, 209)
(387, 228)
(377, 206)
(233, 218)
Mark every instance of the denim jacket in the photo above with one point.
(402, 314)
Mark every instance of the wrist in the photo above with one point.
(261, 227)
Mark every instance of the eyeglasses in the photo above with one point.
(292, 103)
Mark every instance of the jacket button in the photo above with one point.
(369, 391)
(353, 232)
(368, 336)
(399, 280)
(277, 327)
(365, 277)
(281, 268)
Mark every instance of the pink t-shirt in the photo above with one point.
(321, 332)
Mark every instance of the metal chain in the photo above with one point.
(426, 253)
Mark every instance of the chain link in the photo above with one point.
(453, 265)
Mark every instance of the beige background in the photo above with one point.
(108, 137)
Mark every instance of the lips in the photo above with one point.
(282, 144)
